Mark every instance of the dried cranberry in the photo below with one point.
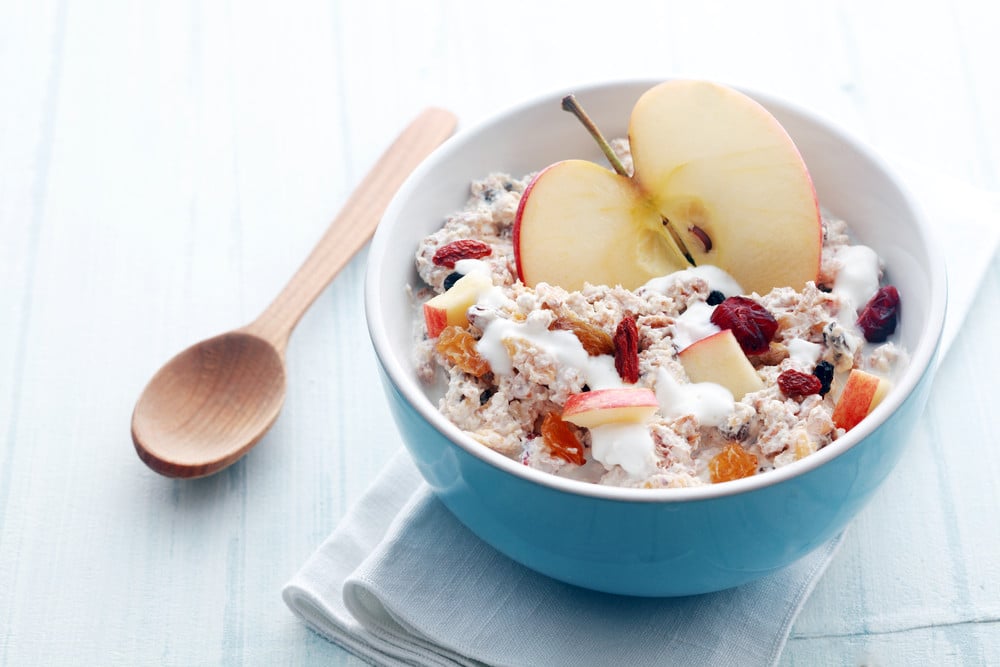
(796, 383)
(824, 371)
(750, 322)
(878, 318)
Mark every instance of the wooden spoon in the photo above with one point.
(212, 402)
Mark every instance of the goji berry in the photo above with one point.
(626, 342)
(452, 252)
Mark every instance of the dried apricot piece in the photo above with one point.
(561, 440)
(459, 346)
(595, 340)
(733, 462)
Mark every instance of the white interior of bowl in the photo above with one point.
(850, 181)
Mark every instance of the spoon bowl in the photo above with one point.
(211, 403)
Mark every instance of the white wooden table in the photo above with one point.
(165, 167)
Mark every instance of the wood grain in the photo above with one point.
(151, 155)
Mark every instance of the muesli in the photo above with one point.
(687, 379)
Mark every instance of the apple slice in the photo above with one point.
(720, 359)
(578, 222)
(619, 405)
(450, 308)
(862, 393)
(717, 180)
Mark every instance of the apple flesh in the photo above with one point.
(720, 359)
(450, 308)
(618, 405)
(712, 165)
(578, 222)
(862, 393)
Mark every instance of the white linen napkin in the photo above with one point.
(402, 582)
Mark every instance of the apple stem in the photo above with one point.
(570, 104)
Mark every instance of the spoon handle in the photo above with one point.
(353, 226)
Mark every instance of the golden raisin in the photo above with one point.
(561, 440)
(594, 339)
(733, 462)
(459, 347)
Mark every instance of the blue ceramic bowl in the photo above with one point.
(663, 542)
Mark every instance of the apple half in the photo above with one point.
(717, 179)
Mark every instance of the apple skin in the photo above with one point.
(618, 405)
(720, 359)
(862, 393)
(450, 308)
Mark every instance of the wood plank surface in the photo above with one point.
(165, 167)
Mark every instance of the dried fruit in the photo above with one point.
(751, 323)
(796, 383)
(715, 297)
(452, 252)
(450, 280)
(824, 371)
(459, 346)
(878, 318)
(562, 442)
(733, 462)
(626, 342)
(594, 339)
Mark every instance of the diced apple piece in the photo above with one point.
(619, 405)
(862, 393)
(450, 308)
(719, 359)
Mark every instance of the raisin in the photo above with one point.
(459, 347)
(715, 297)
(751, 323)
(878, 318)
(595, 341)
(450, 280)
(452, 252)
(486, 395)
(733, 462)
(561, 440)
(627, 350)
(796, 383)
(824, 371)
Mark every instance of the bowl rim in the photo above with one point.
(921, 362)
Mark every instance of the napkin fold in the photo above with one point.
(402, 582)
